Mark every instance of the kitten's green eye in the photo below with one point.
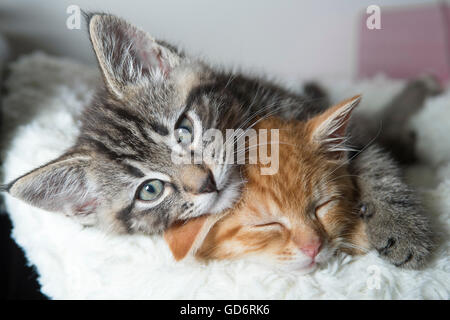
(151, 190)
(184, 131)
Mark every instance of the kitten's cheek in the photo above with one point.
(221, 174)
(204, 202)
(325, 254)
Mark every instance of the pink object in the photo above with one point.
(411, 42)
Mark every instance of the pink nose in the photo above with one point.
(311, 250)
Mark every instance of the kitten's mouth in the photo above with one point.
(309, 267)
(304, 269)
(225, 197)
(219, 203)
(316, 262)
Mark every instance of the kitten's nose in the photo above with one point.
(308, 241)
(198, 179)
(209, 185)
(311, 249)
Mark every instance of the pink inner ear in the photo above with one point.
(150, 55)
(342, 126)
(153, 59)
(86, 207)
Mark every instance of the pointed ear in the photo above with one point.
(185, 237)
(328, 129)
(61, 185)
(127, 55)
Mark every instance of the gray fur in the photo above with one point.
(126, 129)
(389, 127)
(126, 132)
(396, 223)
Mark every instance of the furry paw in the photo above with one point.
(403, 240)
(395, 222)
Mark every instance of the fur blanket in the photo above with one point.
(44, 97)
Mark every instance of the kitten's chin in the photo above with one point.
(308, 269)
(302, 269)
(325, 254)
(226, 197)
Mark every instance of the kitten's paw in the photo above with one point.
(405, 242)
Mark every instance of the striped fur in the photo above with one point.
(127, 135)
(311, 200)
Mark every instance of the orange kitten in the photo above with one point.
(295, 218)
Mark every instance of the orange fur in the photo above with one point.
(297, 217)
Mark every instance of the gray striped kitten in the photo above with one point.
(120, 174)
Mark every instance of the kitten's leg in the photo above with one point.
(395, 221)
(389, 127)
(396, 136)
(313, 91)
(410, 100)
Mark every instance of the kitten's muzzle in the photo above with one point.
(198, 179)
(209, 185)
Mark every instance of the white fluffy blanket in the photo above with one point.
(44, 97)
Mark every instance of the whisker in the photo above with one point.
(354, 246)
(345, 162)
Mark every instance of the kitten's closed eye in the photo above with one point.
(269, 225)
(322, 209)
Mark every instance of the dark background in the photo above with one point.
(17, 280)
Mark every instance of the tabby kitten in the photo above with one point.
(156, 102)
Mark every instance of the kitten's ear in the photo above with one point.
(185, 237)
(61, 185)
(126, 54)
(329, 128)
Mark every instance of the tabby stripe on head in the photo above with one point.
(113, 155)
(100, 134)
(139, 146)
(127, 115)
(133, 170)
(126, 132)
(159, 128)
(101, 147)
(199, 91)
(118, 158)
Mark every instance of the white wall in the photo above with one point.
(286, 38)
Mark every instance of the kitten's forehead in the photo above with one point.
(140, 126)
(166, 95)
(187, 77)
